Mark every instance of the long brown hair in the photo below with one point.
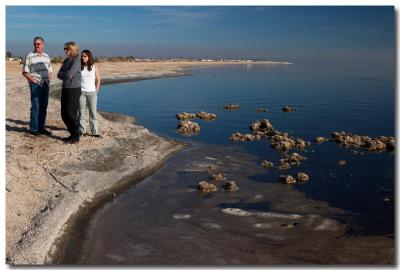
(90, 61)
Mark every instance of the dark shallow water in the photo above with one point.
(359, 195)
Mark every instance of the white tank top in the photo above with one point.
(88, 83)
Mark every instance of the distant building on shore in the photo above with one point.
(13, 59)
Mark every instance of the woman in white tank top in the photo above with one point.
(90, 86)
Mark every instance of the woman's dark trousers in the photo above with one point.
(69, 109)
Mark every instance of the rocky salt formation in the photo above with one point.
(230, 186)
(204, 186)
(188, 128)
(206, 116)
(218, 177)
(267, 164)
(292, 159)
(320, 139)
(232, 106)
(239, 137)
(263, 128)
(288, 179)
(185, 116)
(378, 144)
(283, 142)
(302, 177)
(288, 109)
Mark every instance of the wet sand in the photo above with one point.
(48, 181)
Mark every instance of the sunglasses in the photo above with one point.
(37, 44)
(66, 49)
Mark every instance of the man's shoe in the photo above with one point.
(97, 136)
(45, 132)
(34, 133)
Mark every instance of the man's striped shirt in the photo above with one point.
(38, 66)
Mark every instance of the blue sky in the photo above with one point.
(289, 33)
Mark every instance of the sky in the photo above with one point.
(286, 33)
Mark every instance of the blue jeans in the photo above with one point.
(39, 102)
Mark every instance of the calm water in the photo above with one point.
(327, 98)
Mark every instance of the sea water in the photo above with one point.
(165, 207)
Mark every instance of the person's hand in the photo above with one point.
(34, 81)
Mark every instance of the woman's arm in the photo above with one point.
(61, 73)
(75, 67)
(97, 78)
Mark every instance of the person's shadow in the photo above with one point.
(24, 129)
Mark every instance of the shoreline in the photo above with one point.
(101, 167)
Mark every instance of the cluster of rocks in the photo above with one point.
(300, 177)
(378, 144)
(206, 116)
(202, 115)
(284, 163)
(232, 106)
(204, 186)
(185, 116)
(288, 109)
(279, 141)
(239, 137)
(188, 128)
(290, 160)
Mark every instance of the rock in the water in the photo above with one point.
(239, 137)
(283, 165)
(377, 144)
(356, 153)
(289, 225)
(288, 179)
(341, 162)
(232, 106)
(320, 139)
(288, 109)
(261, 110)
(185, 116)
(204, 186)
(218, 177)
(188, 128)
(230, 186)
(262, 127)
(267, 164)
(206, 116)
(302, 177)
(294, 158)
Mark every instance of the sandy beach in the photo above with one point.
(48, 181)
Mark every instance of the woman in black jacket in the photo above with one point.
(70, 74)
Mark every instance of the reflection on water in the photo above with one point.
(164, 216)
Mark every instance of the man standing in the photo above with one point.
(38, 71)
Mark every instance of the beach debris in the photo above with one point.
(341, 162)
(185, 116)
(230, 186)
(232, 106)
(261, 110)
(218, 177)
(267, 164)
(302, 177)
(204, 186)
(288, 109)
(289, 225)
(288, 179)
(320, 139)
(239, 137)
(206, 116)
(188, 128)
(378, 144)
